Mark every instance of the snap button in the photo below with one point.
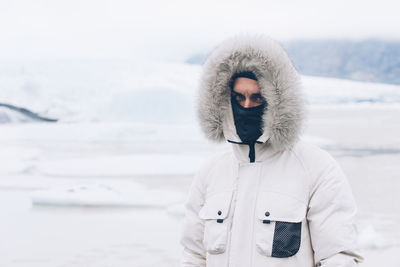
(219, 212)
(267, 213)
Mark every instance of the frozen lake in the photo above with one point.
(69, 200)
(94, 190)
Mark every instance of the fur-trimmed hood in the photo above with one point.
(278, 80)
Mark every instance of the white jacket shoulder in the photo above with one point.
(315, 160)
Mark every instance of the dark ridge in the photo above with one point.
(28, 113)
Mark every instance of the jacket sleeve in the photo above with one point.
(331, 215)
(193, 227)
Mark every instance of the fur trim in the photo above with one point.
(279, 83)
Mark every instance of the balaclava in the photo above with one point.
(248, 121)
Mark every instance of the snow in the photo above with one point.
(127, 90)
(121, 166)
(337, 92)
(104, 195)
(106, 185)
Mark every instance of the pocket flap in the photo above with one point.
(216, 206)
(276, 206)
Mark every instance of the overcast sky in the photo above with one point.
(172, 29)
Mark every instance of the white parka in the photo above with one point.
(291, 207)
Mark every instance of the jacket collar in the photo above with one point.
(263, 152)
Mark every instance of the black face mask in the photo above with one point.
(248, 121)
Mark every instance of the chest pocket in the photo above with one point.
(278, 224)
(216, 221)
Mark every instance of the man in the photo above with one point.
(273, 200)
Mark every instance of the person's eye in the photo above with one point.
(258, 99)
(240, 98)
